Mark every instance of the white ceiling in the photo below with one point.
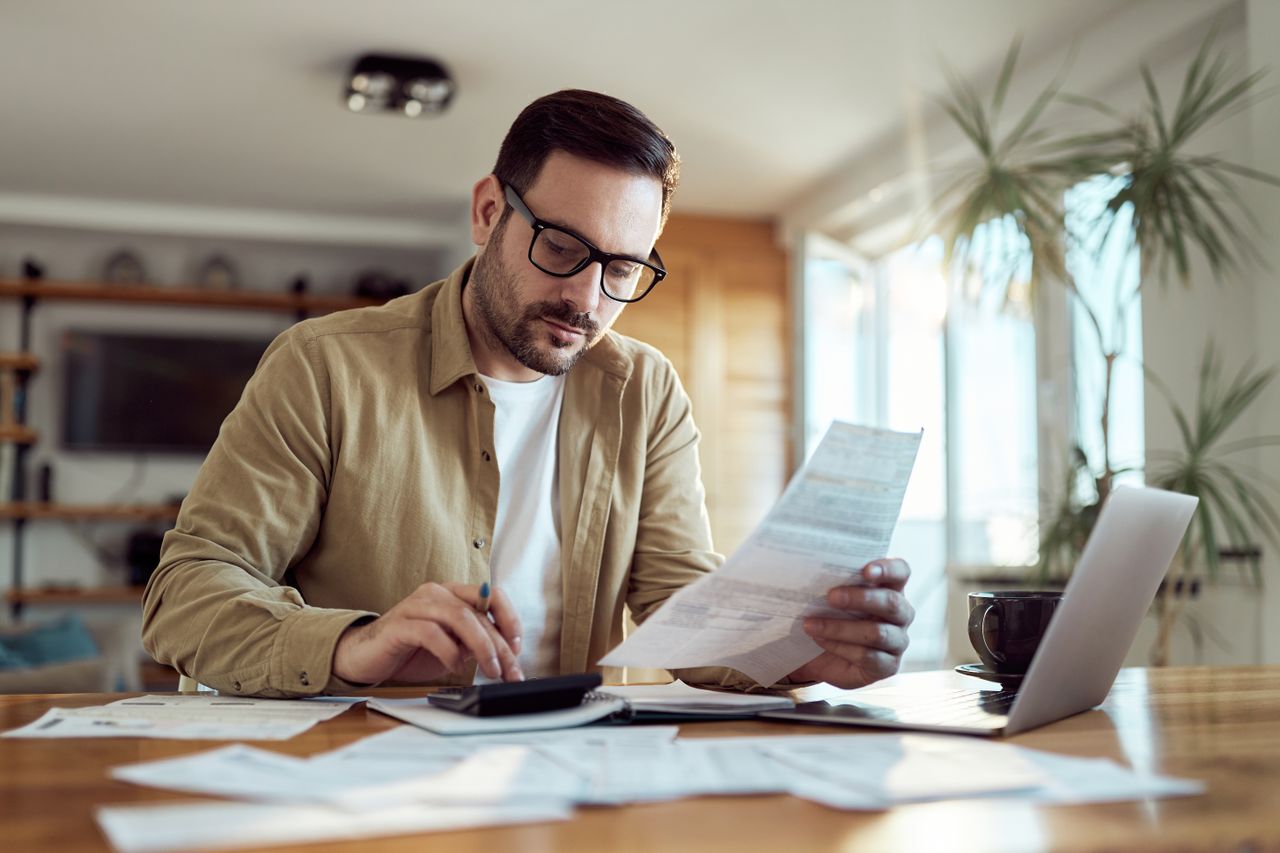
(236, 104)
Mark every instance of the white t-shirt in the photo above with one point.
(525, 559)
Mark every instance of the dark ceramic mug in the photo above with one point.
(1005, 627)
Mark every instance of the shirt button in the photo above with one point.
(235, 685)
(479, 388)
(477, 543)
(302, 676)
(484, 454)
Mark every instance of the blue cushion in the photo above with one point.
(8, 660)
(64, 639)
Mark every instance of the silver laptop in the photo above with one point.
(1132, 544)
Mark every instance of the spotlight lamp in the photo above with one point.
(407, 85)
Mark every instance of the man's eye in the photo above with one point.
(623, 270)
(559, 247)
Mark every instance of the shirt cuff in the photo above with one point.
(302, 663)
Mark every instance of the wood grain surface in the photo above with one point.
(1218, 725)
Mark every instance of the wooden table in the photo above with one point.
(1219, 725)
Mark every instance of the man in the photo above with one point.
(382, 464)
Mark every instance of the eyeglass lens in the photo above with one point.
(559, 252)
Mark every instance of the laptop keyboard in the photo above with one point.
(949, 708)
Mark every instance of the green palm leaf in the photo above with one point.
(1171, 205)
(1236, 501)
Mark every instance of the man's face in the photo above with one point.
(526, 320)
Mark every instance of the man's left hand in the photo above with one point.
(868, 646)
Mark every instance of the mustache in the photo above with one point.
(562, 312)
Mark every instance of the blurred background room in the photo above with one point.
(1044, 233)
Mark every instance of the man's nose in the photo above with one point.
(582, 289)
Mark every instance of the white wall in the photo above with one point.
(1264, 52)
(1240, 316)
(56, 552)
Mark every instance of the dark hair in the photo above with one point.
(592, 126)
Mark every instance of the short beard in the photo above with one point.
(493, 286)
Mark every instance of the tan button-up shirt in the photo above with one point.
(359, 465)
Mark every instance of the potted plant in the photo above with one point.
(1166, 204)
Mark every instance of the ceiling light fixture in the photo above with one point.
(407, 85)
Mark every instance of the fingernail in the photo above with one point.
(515, 645)
(518, 673)
(494, 667)
(873, 572)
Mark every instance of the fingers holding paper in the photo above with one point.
(867, 646)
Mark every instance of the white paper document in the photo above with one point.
(220, 826)
(1098, 780)
(242, 772)
(886, 770)
(836, 515)
(405, 765)
(560, 763)
(205, 716)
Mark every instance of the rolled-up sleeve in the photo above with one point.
(217, 608)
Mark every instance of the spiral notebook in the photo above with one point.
(596, 708)
(635, 702)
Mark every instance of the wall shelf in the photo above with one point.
(76, 595)
(88, 512)
(23, 361)
(18, 434)
(154, 295)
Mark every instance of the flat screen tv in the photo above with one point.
(149, 393)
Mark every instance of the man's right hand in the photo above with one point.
(436, 630)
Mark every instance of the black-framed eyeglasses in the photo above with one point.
(562, 253)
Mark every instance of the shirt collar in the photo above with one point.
(450, 349)
(451, 357)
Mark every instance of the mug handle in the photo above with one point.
(982, 632)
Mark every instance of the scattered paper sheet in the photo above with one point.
(1099, 780)
(613, 766)
(679, 698)
(242, 772)
(205, 716)
(836, 515)
(416, 744)
(893, 769)
(404, 765)
(216, 826)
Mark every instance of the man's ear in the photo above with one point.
(487, 204)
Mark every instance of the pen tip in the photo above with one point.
(484, 589)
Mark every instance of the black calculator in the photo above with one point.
(517, 697)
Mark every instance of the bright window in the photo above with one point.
(1104, 264)
(899, 344)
